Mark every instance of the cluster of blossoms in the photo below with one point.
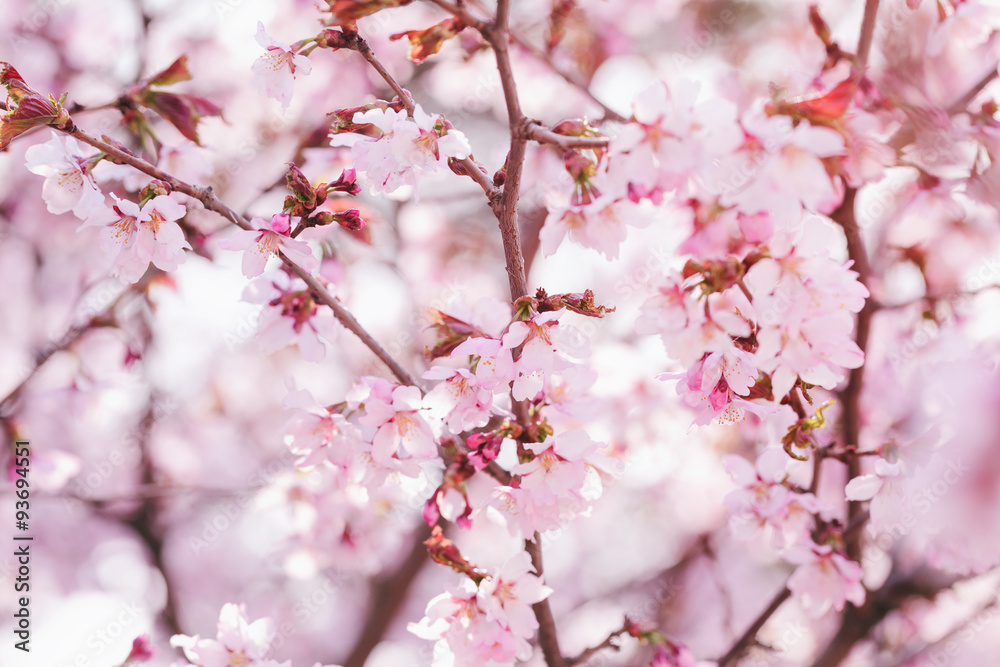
(238, 642)
(767, 500)
(392, 148)
(487, 619)
(385, 433)
(132, 235)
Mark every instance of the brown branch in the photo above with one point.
(867, 33)
(548, 639)
(70, 337)
(544, 135)
(146, 524)
(482, 26)
(859, 621)
(357, 43)
(208, 199)
(749, 638)
(471, 168)
(607, 643)
(850, 396)
(388, 595)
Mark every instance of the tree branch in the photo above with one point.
(749, 638)
(548, 638)
(70, 337)
(607, 643)
(471, 168)
(388, 595)
(867, 33)
(208, 199)
(850, 396)
(544, 135)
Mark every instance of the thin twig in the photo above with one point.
(749, 638)
(867, 32)
(472, 169)
(70, 337)
(208, 199)
(607, 643)
(544, 135)
(361, 46)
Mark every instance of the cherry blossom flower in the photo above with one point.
(460, 401)
(396, 413)
(488, 625)
(674, 137)
(238, 640)
(599, 225)
(316, 434)
(558, 483)
(404, 149)
(496, 363)
(290, 315)
(140, 236)
(804, 300)
(762, 500)
(464, 634)
(824, 579)
(69, 184)
(275, 71)
(539, 356)
(266, 240)
(507, 596)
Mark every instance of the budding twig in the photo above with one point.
(208, 199)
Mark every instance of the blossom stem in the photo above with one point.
(208, 199)
(358, 43)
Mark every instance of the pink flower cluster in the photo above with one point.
(485, 624)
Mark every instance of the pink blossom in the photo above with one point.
(539, 356)
(401, 429)
(316, 434)
(275, 71)
(763, 501)
(495, 366)
(404, 149)
(69, 184)
(140, 236)
(488, 625)
(238, 640)
(824, 579)
(558, 483)
(290, 315)
(675, 137)
(459, 400)
(266, 240)
(599, 225)
(507, 596)
(142, 650)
